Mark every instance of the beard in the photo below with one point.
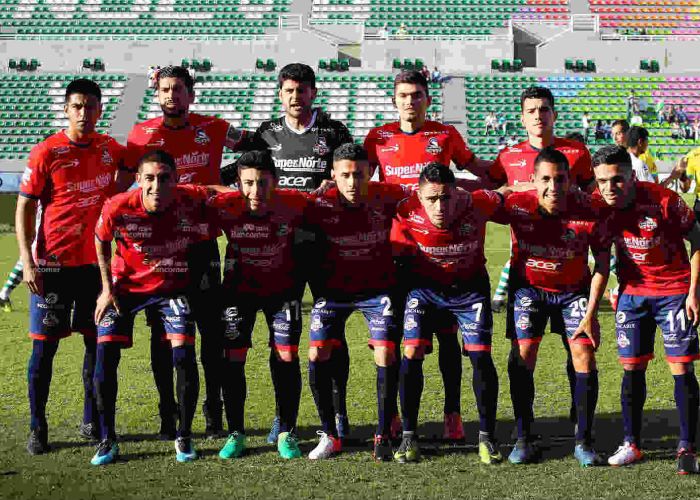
(173, 113)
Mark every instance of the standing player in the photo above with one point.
(658, 287)
(302, 143)
(552, 233)
(153, 226)
(196, 142)
(71, 173)
(440, 241)
(356, 272)
(401, 150)
(260, 223)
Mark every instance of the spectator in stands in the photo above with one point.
(599, 131)
(491, 122)
(425, 72)
(585, 125)
(512, 141)
(636, 120)
(676, 130)
(643, 106)
(402, 31)
(632, 103)
(696, 127)
(619, 132)
(503, 123)
(670, 113)
(637, 144)
(385, 32)
(607, 130)
(150, 77)
(660, 106)
(501, 143)
(436, 76)
(683, 122)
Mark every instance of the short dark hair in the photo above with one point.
(436, 173)
(536, 92)
(635, 135)
(85, 87)
(350, 151)
(158, 156)
(575, 136)
(612, 155)
(259, 160)
(176, 72)
(298, 72)
(622, 123)
(552, 155)
(411, 76)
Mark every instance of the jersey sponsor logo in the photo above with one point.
(433, 146)
(60, 150)
(390, 149)
(622, 339)
(156, 144)
(385, 134)
(231, 313)
(620, 317)
(525, 301)
(410, 322)
(304, 164)
(192, 160)
(637, 256)
(294, 182)
(149, 130)
(543, 265)
(90, 185)
(405, 170)
(469, 326)
(201, 137)
(50, 319)
(89, 201)
(648, 223)
(283, 229)
(451, 250)
(276, 147)
(320, 304)
(519, 163)
(524, 322)
(321, 148)
(414, 217)
(642, 243)
(412, 303)
(316, 323)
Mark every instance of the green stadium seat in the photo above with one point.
(344, 65)
(259, 64)
(270, 65)
(569, 64)
(495, 64)
(396, 63)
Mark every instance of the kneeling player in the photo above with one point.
(356, 272)
(552, 232)
(658, 287)
(154, 227)
(439, 239)
(260, 223)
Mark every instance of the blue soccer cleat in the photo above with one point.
(587, 456)
(523, 452)
(274, 431)
(107, 453)
(185, 452)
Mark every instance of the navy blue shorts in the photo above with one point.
(66, 290)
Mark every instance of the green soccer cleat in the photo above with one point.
(488, 452)
(288, 446)
(234, 447)
(408, 451)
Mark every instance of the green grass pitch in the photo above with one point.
(148, 468)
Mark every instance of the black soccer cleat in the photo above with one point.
(38, 442)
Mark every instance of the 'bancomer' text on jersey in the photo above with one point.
(516, 163)
(354, 249)
(303, 160)
(448, 256)
(151, 253)
(551, 252)
(71, 182)
(259, 259)
(649, 241)
(401, 156)
(197, 147)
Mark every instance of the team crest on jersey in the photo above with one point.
(412, 303)
(108, 319)
(60, 150)
(466, 229)
(201, 137)
(569, 235)
(276, 127)
(433, 146)
(106, 157)
(321, 148)
(648, 223)
(622, 339)
(283, 229)
(620, 318)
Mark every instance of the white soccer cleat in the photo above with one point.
(626, 454)
(326, 448)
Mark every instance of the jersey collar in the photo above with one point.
(307, 128)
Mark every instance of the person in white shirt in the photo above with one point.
(585, 125)
(637, 144)
(491, 122)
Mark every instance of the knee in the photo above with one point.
(414, 351)
(384, 356)
(680, 368)
(524, 355)
(583, 358)
(319, 354)
(635, 367)
(286, 356)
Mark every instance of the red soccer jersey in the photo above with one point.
(551, 252)
(197, 147)
(401, 156)
(151, 254)
(355, 251)
(445, 256)
(259, 258)
(517, 163)
(72, 182)
(652, 259)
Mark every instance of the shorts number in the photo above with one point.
(180, 305)
(296, 307)
(478, 307)
(578, 307)
(386, 302)
(680, 317)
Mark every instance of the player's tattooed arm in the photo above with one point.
(25, 218)
(107, 298)
(589, 326)
(692, 303)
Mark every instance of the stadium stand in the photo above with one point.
(32, 107)
(650, 17)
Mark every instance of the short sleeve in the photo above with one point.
(583, 170)
(105, 224)
(36, 174)
(496, 173)
(679, 214)
(461, 154)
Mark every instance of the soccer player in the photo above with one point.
(153, 226)
(301, 143)
(658, 287)
(439, 238)
(552, 233)
(399, 151)
(356, 272)
(260, 223)
(619, 131)
(70, 174)
(196, 142)
(12, 282)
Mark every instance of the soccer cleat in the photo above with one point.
(234, 447)
(587, 456)
(38, 442)
(488, 452)
(626, 454)
(342, 426)
(107, 453)
(408, 451)
(396, 430)
(497, 305)
(687, 462)
(274, 431)
(382, 449)
(6, 305)
(89, 431)
(184, 451)
(288, 446)
(452, 428)
(524, 452)
(327, 447)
